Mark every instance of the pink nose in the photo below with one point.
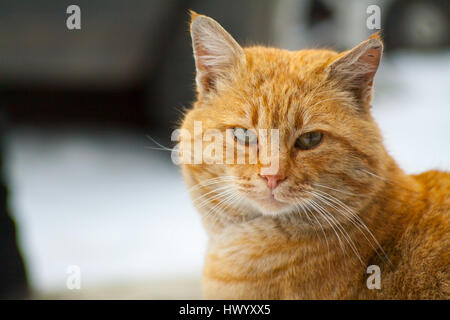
(273, 180)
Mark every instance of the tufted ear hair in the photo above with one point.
(356, 68)
(215, 51)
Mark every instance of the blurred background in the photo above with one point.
(80, 182)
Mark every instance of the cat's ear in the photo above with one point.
(356, 68)
(215, 51)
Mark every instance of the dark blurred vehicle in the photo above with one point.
(412, 24)
(130, 63)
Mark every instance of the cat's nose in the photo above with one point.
(273, 180)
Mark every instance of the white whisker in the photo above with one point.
(344, 232)
(354, 219)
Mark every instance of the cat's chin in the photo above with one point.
(272, 207)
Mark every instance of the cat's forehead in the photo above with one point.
(293, 109)
(273, 62)
(283, 87)
(276, 78)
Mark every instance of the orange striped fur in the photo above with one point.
(310, 241)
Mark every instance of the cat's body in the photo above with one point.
(271, 258)
(329, 211)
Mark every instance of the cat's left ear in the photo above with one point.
(356, 68)
(215, 52)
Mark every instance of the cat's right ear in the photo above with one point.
(215, 52)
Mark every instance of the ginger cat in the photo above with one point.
(338, 202)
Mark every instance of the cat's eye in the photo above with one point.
(245, 136)
(309, 140)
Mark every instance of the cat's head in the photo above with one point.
(329, 147)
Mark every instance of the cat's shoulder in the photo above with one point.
(437, 185)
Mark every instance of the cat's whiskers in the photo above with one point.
(219, 192)
(374, 175)
(343, 231)
(343, 213)
(340, 191)
(221, 197)
(387, 180)
(306, 209)
(301, 208)
(329, 219)
(323, 232)
(224, 195)
(356, 219)
(229, 200)
(353, 218)
(319, 209)
(222, 192)
(211, 191)
(208, 182)
(161, 147)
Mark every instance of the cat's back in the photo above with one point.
(423, 252)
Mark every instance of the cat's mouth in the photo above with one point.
(272, 205)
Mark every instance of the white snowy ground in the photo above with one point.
(101, 201)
